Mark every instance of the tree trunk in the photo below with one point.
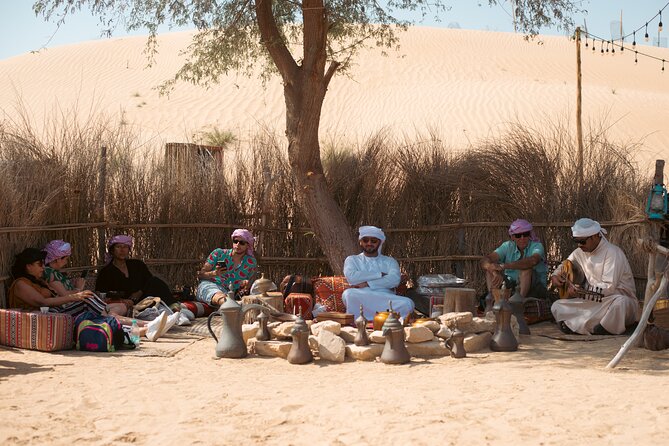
(304, 90)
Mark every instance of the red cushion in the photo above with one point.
(199, 309)
(299, 303)
(328, 291)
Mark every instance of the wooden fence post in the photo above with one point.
(101, 210)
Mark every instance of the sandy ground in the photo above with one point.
(549, 392)
(463, 85)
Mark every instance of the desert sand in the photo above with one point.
(549, 392)
(467, 86)
(464, 85)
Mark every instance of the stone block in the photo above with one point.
(418, 334)
(460, 320)
(377, 337)
(331, 347)
(278, 349)
(249, 331)
(477, 342)
(479, 325)
(364, 353)
(331, 326)
(282, 331)
(430, 348)
(348, 334)
(432, 325)
(444, 332)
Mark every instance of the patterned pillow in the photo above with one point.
(199, 309)
(44, 332)
(328, 291)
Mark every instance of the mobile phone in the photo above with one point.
(84, 273)
(220, 264)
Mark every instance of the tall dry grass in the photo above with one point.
(51, 177)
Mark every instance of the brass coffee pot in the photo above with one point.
(503, 340)
(394, 351)
(361, 337)
(231, 342)
(263, 285)
(456, 344)
(300, 353)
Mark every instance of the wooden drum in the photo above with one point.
(460, 300)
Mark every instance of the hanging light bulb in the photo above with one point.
(593, 44)
(662, 64)
(622, 44)
(607, 46)
(613, 48)
(645, 37)
(634, 40)
(659, 25)
(602, 47)
(635, 57)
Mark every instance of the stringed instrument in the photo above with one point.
(588, 293)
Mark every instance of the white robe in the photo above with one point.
(607, 268)
(375, 297)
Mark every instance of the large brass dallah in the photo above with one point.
(395, 351)
(231, 342)
(300, 353)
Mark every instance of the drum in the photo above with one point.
(460, 300)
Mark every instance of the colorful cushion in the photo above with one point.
(199, 309)
(36, 331)
(328, 291)
(299, 303)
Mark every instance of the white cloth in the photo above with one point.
(375, 297)
(606, 268)
(585, 227)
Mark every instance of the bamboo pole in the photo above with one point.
(579, 124)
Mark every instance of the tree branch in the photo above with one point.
(271, 38)
(315, 37)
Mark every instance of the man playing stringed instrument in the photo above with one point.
(597, 265)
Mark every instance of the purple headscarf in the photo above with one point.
(246, 235)
(117, 239)
(56, 249)
(519, 226)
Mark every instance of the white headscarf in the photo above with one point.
(372, 231)
(585, 227)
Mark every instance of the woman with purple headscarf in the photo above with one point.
(228, 269)
(522, 259)
(129, 278)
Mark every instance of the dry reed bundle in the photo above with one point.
(401, 186)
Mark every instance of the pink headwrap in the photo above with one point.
(246, 235)
(117, 239)
(56, 249)
(519, 226)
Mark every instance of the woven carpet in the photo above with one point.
(551, 330)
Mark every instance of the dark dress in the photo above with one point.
(110, 278)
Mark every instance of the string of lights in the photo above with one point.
(613, 44)
(659, 26)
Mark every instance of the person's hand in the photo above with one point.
(497, 281)
(571, 289)
(79, 283)
(219, 270)
(245, 285)
(360, 285)
(558, 280)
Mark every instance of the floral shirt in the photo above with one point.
(235, 274)
(53, 275)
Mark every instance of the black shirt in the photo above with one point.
(110, 278)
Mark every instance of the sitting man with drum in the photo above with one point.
(596, 285)
(522, 258)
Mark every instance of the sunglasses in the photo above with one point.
(581, 241)
(239, 242)
(370, 240)
(521, 235)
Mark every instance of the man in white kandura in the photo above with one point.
(373, 278)
(603, 266)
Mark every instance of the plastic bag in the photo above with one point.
(440, 281)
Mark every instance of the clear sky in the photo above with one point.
(22, 32)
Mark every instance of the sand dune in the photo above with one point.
(466, 85)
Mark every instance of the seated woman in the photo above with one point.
(130, 277)
(228, 270)
(57, 255)
(29, 292)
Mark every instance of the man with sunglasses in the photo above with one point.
(522, 258)
(373, 277)
(601, 265)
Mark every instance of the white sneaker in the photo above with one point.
(156, 327)
(172, 320)
(183, 319)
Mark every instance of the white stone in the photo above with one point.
(348, 334)
(249, 331)
(459, 320)
(331, 347)
(377, 337)
(477, 342)
(430, 348)
(278, 349)
(331, 326)
(364, 353)
(432, 325)
(479, 325)
(282, 331)
(418, 334)
(444, 332)
(313, 343)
